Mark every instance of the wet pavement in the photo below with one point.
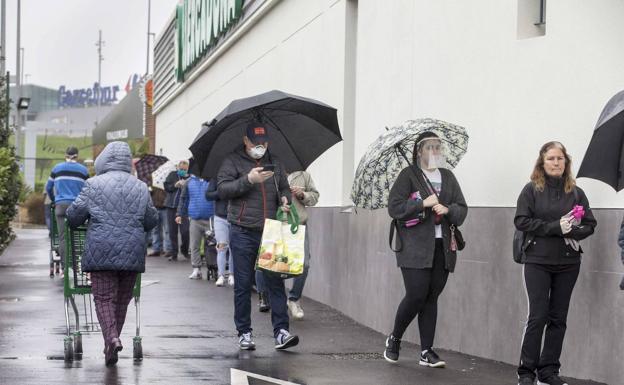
(189, 337)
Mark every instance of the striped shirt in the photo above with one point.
(66, 181)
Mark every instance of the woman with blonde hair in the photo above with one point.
(554, 215)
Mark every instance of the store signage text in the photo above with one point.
(88, 97)
(116, 135)
(200, 24)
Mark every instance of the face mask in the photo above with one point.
(257, 152)
(181, 173)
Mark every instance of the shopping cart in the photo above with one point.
(77, 283)
(55, 252)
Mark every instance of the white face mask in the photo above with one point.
(257, 152)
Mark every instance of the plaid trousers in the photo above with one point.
(112, 292)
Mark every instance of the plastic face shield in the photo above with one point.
(432, 153)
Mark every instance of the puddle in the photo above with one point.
(9, 299)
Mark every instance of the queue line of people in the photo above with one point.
(425, 200)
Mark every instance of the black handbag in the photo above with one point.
(457, 238)
(521, 242)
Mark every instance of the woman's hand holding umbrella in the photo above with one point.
(440, 209)
(431, 201)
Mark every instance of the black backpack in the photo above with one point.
(522, 240)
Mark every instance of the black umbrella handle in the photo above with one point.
(401, 152)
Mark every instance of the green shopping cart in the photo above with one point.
(77, 283)
(55, 252)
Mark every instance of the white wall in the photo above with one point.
(298, 47)
(461, 61)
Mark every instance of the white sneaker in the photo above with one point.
(196, 274)
(231, 280)
(295, 309)
(220, 281)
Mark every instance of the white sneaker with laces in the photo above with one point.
(295, 309)
(231, 280)
(220, 281)
(285, 340)
(245, 342)
(196, 274)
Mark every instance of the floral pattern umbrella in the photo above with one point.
(383, 161)
(147, 165)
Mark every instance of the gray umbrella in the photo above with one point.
(604, 158)
(388, 155)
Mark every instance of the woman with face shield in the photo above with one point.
(426, 200)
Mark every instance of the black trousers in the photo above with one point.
(183, 228)
(422, 289)
(549, 289)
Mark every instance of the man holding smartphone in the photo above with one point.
(255, 184)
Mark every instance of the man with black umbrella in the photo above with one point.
(255, 184)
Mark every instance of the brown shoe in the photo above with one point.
(154, 254)
(111, 350)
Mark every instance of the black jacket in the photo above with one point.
(173, 193)
(419, 241)
(250, 204)
(538, 213)
(212, 194)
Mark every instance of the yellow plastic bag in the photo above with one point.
(282, 246)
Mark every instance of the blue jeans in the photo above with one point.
(245, 243)
(222, 236)
(160, 232)
(296, 292)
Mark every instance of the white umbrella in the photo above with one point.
(161, 173)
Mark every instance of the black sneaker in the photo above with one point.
(263, 305)
(393, 345)
(526, 381)
(552, 380)
(431, 359)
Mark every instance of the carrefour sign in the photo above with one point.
(88, 96)
(200, 24)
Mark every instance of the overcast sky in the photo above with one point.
(59, 39)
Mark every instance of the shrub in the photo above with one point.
(34, 208)
(10, 182)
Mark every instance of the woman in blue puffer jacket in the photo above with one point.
(120, 211)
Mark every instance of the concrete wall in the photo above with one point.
(484, 306)
(464, 62)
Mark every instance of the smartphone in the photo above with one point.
(269, 167)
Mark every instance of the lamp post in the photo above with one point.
(18, 84)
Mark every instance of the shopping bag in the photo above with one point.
(282, 246)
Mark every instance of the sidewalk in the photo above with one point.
(189, 337)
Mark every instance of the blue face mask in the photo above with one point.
(181, 173)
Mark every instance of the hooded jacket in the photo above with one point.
(119, 210)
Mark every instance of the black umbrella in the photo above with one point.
(299, 129)
(604, 158)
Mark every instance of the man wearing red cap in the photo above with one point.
(255, 183)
